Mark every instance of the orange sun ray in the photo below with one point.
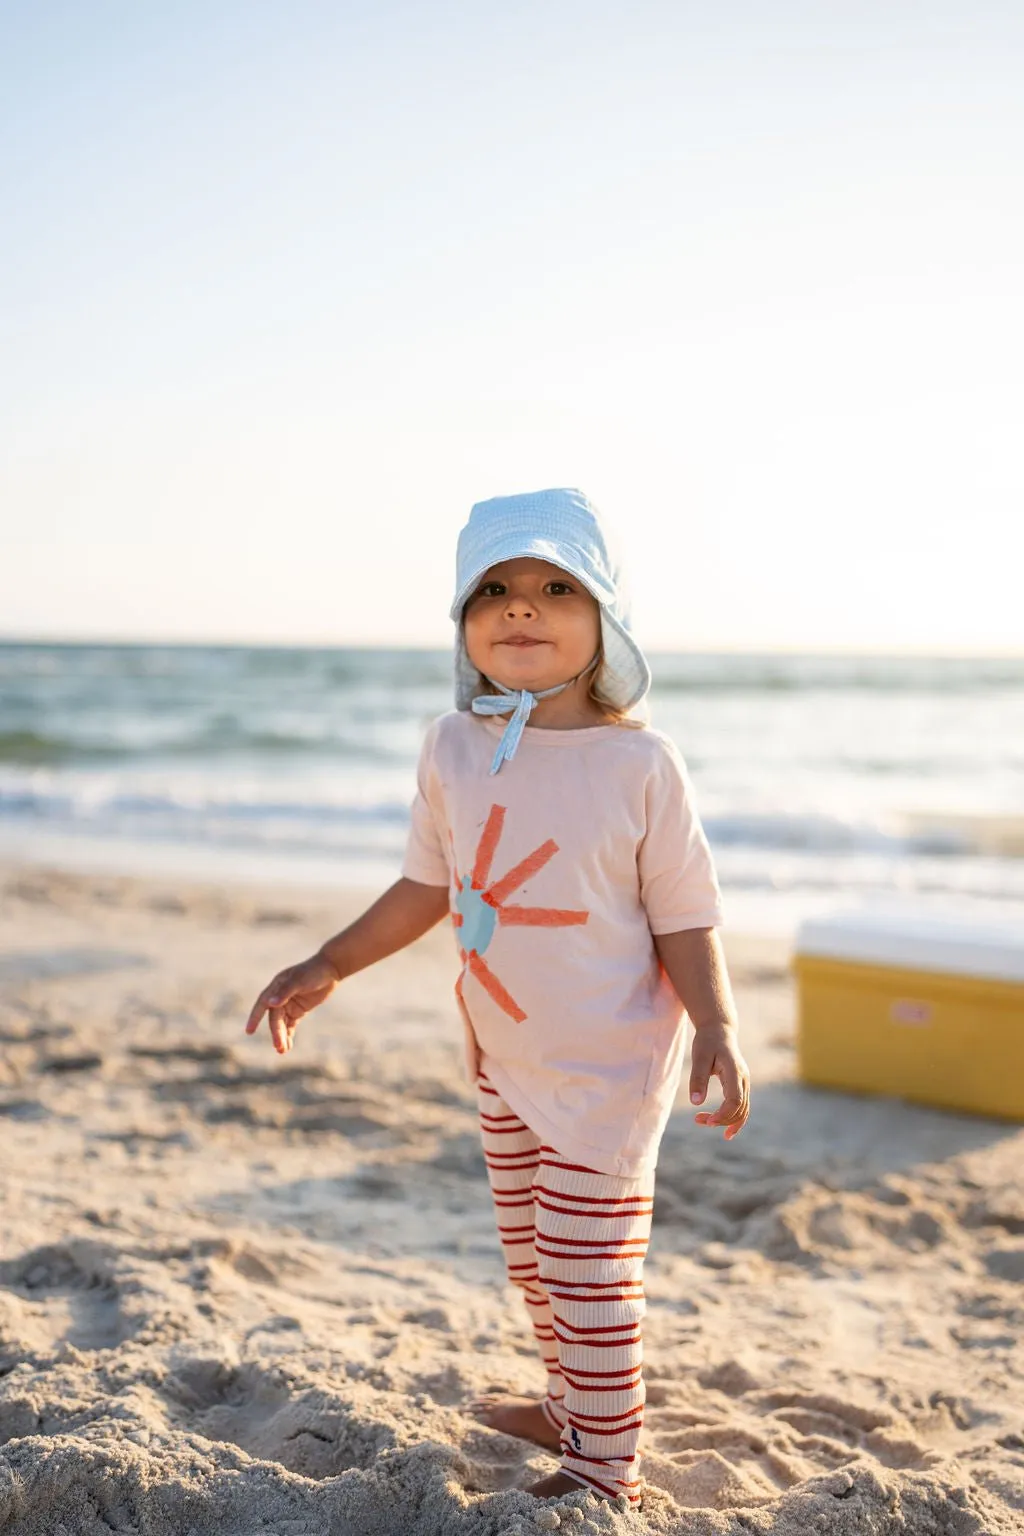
(490, 983)
(522, 871)
(541, 917)
(486, 846)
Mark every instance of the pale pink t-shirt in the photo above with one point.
(560, 868)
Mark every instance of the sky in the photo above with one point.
(284, 289)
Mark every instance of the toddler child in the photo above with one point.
(565, 845)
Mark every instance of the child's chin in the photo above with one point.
(525, 676)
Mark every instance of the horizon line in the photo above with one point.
(935, 653)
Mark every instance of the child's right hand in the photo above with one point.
(292, 994)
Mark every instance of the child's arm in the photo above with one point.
(696, 968)
(404, 913)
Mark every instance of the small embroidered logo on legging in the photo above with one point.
(574, 1436)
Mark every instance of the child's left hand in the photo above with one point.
(716, 1053)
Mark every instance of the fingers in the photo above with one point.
(282, 1025)
(274, 995)
(732, 1113)
(700, 1071)
(259, 1008)
(731, 1071)
(729, 1112)
(278, 1030)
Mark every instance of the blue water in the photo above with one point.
(818, 778)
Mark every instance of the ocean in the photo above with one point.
(821, 780)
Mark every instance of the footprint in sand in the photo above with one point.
(315, 1432)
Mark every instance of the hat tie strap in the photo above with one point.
(521, 702)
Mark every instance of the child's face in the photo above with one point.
(530, 600)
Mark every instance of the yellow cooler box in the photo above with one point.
(913, 1005)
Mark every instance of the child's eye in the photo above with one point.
(498, 588)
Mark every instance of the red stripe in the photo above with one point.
(623, 1430)
(506, 1130)
(511, 1267)
(599, 1343)
(492, 1091)
(562, 1210)
(570, 1167)
(589, 1388)
(500, 1119)
(592, 1482)
(603, 1461)
(504, 1156)
(568, 1296)
(527, 1228)
(619, 1253)
(582, 1258)
(510, 1205)
(589, 1242)
(627, 1370)
(562, 1194)
(595, 1285)
(609, 1328)
(626, 1248)
(604, 1418)
(508, 1167)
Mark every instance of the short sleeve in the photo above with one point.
(425, 858)
(678, 885)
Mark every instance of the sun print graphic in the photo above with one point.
(480, 907)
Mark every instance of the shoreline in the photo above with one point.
(763, 916)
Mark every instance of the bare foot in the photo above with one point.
(520, 1416)
(558, 1483)
(554, 1486)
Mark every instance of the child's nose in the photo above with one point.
(518, 604)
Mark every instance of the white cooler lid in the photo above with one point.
(916, 940)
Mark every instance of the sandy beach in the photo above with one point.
(247, 1293)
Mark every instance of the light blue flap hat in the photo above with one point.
(564, 528)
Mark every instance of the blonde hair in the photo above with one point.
(615, 714)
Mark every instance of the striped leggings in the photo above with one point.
(574, 1242)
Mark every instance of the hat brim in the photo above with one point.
(517, 548)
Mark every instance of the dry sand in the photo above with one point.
(247, 1293)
